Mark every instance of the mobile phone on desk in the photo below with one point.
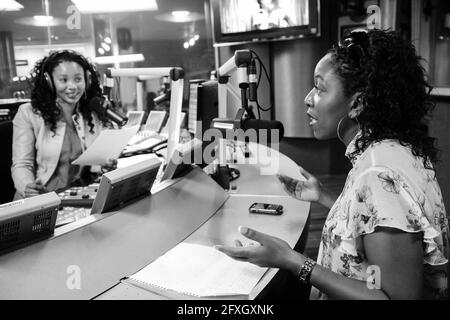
(266, 208)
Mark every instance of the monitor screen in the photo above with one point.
(208, 109)
(135, 118)
(155, 120)
(208, 103)
(256, 20)
(176, 119)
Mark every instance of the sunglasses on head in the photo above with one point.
(356, 43)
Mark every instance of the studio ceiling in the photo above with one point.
(143, 25)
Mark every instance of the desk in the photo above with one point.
(126, 240)
(222, 228)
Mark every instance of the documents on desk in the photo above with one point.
(199, 271)
(108, 145)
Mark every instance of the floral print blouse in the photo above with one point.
(388, 187)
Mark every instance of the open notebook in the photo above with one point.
(199, 271)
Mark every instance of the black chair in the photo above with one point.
(7, 186)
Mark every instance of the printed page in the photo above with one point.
(200, 271)
(109, 144)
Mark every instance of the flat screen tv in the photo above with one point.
(243, 21)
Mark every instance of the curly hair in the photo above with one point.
(43, 100)
(387, 73)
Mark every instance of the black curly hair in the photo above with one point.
(43, 100)
(386, 71)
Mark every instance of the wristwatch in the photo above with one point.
(305, 271)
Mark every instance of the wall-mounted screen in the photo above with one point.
(236, 21)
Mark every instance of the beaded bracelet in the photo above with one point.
(306, 269)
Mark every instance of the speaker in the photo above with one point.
(124, 38)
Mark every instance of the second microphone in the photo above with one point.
(106, 108)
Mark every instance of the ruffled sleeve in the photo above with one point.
(381, 197)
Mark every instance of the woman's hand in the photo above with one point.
(34, 189)
(309, 190)
(110, 165)
(270, 252)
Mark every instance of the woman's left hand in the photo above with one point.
(270, 252)
(110, 165)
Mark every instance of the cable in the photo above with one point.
(262, 67)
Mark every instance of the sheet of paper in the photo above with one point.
(200, 271)
(109, 144)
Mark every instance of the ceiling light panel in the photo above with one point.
(10, 5)
(110, 6)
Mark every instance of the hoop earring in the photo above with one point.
(338, 129)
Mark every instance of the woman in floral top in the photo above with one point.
(386, 235)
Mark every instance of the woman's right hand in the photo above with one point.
(34, 188)
(305, 190)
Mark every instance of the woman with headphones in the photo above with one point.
(57, 126)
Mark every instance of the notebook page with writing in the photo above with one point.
(200, 271)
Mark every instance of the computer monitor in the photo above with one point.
(193, 105)
(124, 185)
(135, 118)
(207, 110)
(155, 120)
(208, 103)
(182, 159)
(175, 116)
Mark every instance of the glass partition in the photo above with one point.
(120, 34)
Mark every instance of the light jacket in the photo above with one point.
(36, 149)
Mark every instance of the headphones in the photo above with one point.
(48, 78)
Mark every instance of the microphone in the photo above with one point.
(252, 90)
(267, 125)
(162, 98)
(105, 108)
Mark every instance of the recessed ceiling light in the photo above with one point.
(41, 21)
(106, 46)
(180, 13)
(170, 17)
(10, 5)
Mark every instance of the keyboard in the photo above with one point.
(70, 214)
(79, 196)
(76, 203)
(141, 136)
